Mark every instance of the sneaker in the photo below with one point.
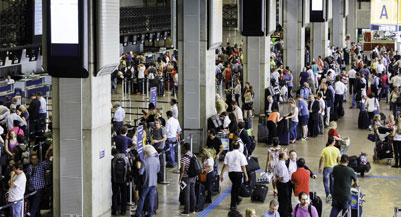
(328, 198)
(303, 139)
(184, 213)
(239, 200)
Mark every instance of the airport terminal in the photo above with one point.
(200, 108)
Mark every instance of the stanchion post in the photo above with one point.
(130, 109)
(396, 210)
(177, 170)
(40, 151)
(190, 139)
(164, 181)
(130, 204)
(137, 114)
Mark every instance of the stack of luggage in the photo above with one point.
(359, 164)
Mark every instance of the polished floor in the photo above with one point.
(381, 185)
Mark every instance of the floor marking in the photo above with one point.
(215, 203)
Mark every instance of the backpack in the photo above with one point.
(120, 169)
(195, 168)
(309, 209)
(398, 102)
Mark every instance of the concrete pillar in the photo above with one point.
(196, 66)
(294, 38)
(351, 21)
(320, 40)
(258, 68)
(338, 24)
(82, 129)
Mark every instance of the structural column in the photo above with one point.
(294, 38)
(338, 24)
(258, 68)
(320, 39)
(196, 67)
(351, 21)
(81, 124)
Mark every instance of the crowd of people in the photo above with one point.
(24, 169)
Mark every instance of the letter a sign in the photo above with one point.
(383, 13)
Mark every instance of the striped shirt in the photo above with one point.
(186, 160)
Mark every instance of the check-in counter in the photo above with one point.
(6, 90)
(30, 85)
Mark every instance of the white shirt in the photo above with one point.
(352, 73)
(380, 68)
(295, 112)
(371, 104)
(322, 106)
(174, 110)
(235, 160)
(311, 75)
(396, 81)
(292, 167)
(172, 127)
(397, 137)
(42, 109)
(276, 75)
(238, 114)
(141, 72)
(339, 87)
(17, 192)
(226, 122)
(119, 114)
(11, 81)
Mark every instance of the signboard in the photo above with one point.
(225, 143)
(153, 95)
(140, 141)
(384, 15)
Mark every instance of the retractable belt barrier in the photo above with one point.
(13, 203)
(396, 211)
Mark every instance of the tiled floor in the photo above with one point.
(382, 194)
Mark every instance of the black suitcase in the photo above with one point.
(146, 208)
(299, 131)
(316, 202)
(263, 133)
(248, 123)
(259, 193)
(216, 184)
(200, 196)
(252, 179)
(284, 139)
(245, 190)
(363, 120)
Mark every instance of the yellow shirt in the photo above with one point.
(330, 155)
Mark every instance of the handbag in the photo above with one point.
(372, 137)
(253, 164)
(202, 177)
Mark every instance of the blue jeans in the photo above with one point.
(35, 203)
(384, 91)
(144, 193)
(170, 154)
(16, 209)
(293, 130)
(338, 206)
(353, 101)
(327, 174)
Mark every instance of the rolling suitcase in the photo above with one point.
(216, 184)
(200, 196)
(259, 193)
(315, 200)
(263, 133)
(363, 120)
(284, 139)
(252, 179)
(245, 190)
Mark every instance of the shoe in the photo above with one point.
(351, 107)
(184, 213)
(303, 139)
(113, 213)
(169, 166)
(395, 166)
(123, 213)
(328, 198)
(233, 208)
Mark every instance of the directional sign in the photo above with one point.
(153, 95)
(140, 141)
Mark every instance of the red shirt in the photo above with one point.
(384, 79)
(300, 178)
(333, 132)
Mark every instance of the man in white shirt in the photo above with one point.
(119, 116)
(322, 110)
(10, 80)
(380, 67)
(16, 192)
(174, 108)
(42, 110)
(311, 80)
(237, 112)
(396, 80)
(141, 77)
(172, 129)
(351, 80)
(339, 89)
(236, 163)
(275, 75)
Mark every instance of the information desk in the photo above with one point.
(30, 85)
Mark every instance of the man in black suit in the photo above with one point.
(245, 138)
(314, 107)
(270, 105)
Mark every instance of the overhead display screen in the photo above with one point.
(64, 22)
(317, 5)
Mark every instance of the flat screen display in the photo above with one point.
(64, 21)
(317, 5)
(38, 17)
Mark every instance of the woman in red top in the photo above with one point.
(227, 75)
(333, 133)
